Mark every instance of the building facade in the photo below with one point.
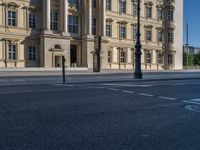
(36, 33)
(191, 50)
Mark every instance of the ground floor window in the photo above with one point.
(159, 58)
(170, 59)
(122, 56)
(149, 57)
(31, 53)
(12, 51)
(109, 56)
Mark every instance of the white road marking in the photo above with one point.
(195, 100)
(145, 94)
(113, 89)
(167, 98)
(127, 85)
(129, 92)
(192, 108)
(191, 102)
(68, 85)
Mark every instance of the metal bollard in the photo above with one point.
(63, 69)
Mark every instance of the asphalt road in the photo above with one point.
(143, 115)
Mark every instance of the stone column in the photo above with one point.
(103, 16)
(65, 16)
(46, 13)
(89, 17)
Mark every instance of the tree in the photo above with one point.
(196, 60)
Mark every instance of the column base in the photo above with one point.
(47, 32)
(88, 36)
(65, 34)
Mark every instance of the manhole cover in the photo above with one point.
(195, 108)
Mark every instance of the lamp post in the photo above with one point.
(187, 45)
(138, 46)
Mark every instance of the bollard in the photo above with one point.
(63, 69)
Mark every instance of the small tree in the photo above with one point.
(196, 60)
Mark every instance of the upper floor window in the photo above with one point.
(54, 21)
(135, 10)
(108, 29)
(73, 24)
(32, 20)
(160, 36)
(94, 26)
(149, 35)
(31, 53)
(73, 2)
(170, 15)
(122, 31)
(122, 6)
(12, 51)
(160, 14)
(108, 4)
(94, 3)
(149, 12)
(135, 32)
(170, 37)
(12, 18)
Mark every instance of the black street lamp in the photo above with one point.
(138, 46)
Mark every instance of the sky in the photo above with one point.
(192, 14)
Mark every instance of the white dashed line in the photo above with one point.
(129, 92)
(167, 98)
(113, 89)
(145, 94)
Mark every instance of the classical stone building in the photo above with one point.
(36, 33)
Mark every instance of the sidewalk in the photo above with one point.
(87, 76)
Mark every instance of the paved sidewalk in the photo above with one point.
(52, 77)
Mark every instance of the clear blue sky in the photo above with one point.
(192, 13)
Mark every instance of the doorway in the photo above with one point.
(73, 55)
(58, 61)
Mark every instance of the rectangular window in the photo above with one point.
(94, 26)
(32, 20)
(122, 32)
(108, 4)
(160, 36)
(149, 57)
(122, 56)
(170, 59)
(73, 2)
(170, 37)
(149, 12)
(31, 53)
(73, 24)
(170, 15)
(54, 21)
(159, 58)
(94, 2)
(135, 32)
(12, 18)
(135, 11)
(149, 35)
(122, 6)
(108, 30)
(109, 56)
(160, 14)
(12, 51)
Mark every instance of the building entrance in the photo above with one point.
(58, 61)
(73, 56)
